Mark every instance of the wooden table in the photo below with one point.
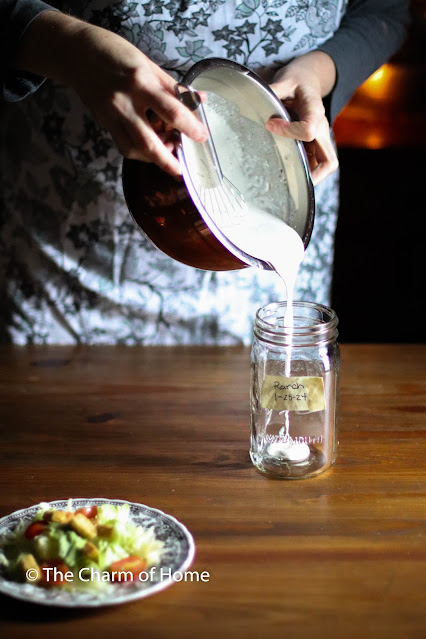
(338, 556)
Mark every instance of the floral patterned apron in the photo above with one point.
(74, 268)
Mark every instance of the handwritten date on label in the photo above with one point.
(292, 393)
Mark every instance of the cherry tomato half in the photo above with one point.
(90, 511)
(34, 529)
(127, 569)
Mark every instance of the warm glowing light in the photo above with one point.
(374, 140)
(377, 76)
(384, 84)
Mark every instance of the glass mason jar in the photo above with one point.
(294, 391)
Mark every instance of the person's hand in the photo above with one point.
(127, 93)
(301, 85)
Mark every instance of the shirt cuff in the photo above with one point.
(16, 84)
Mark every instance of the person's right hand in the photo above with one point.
(118, 83)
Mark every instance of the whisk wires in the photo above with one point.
(219, 196)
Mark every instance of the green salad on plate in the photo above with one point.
(79, 548)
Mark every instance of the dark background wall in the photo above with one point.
(379, 286)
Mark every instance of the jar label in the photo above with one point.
(293, 393)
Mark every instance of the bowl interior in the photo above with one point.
(269, 170)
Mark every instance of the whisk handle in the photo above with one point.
(191, 99)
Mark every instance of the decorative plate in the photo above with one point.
(177, 556)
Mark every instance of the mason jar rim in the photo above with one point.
(321, 329)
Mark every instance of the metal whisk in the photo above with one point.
(222, 200)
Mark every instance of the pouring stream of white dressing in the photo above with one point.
(268, 238)
(256, 232)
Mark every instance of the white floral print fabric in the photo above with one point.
(74, 268)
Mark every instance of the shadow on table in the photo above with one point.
(31, 613)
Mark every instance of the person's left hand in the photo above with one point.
(300, 85)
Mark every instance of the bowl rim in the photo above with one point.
(214, 63)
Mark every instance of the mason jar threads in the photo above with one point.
(294, 391)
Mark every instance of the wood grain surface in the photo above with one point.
(339, 556)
